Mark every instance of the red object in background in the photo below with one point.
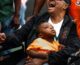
(75, 13)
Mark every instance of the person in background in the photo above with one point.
(23, 9)
(74, 11)
(9, 19)
(9, 15)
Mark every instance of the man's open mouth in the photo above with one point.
(52, 4)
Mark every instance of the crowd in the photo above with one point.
(51, 38)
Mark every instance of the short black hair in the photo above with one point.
(41, 21)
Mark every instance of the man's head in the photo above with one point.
(45, 29)
(57, 5)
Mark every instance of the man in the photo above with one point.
(63, 24)
(74, 11)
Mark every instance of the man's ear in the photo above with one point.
(65, 6)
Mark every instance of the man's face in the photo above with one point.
(55, 5)
(47, 29)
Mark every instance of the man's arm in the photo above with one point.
(17, 4)
(35, 54)
(20, 35)
(37, 6)
(73, 45)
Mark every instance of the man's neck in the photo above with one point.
(56, 18)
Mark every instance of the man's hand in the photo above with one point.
(15, 21)
(2, 37)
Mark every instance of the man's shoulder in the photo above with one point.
(69, 19)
